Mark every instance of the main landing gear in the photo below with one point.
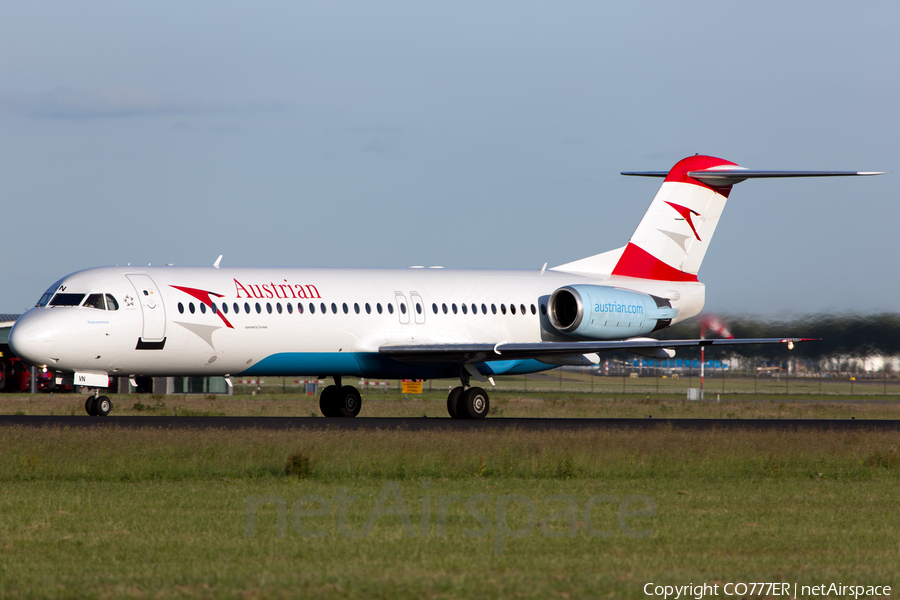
(464, 402)
(340, 400)
(97, 405)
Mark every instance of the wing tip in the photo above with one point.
(644, 173)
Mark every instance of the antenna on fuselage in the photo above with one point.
(218, 260)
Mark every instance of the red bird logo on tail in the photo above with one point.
(686, 212)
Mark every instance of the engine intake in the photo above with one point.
(566, 309)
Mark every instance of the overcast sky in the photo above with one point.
(463, 134)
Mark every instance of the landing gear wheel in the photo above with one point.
(102, 406)
(453, 402)
(89, 406)
(328, 402)
(473, 404)
(349, 401)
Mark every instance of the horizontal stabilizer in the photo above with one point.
(671, 240)
(457, 354)
(732, 176)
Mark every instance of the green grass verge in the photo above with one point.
(163, 513)
(433, 404)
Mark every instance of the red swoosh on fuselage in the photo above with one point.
(204, 297)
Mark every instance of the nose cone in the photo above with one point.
(32, 339)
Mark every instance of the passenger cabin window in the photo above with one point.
(67, 299)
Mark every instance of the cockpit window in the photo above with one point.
(44, 300)
(95, 301)
(67, 299)
(111, 303)
(49, 293)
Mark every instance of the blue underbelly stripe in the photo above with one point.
(306, 363)
(372, 364)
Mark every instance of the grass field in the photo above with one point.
(503, 404)
(151, 513)
(385, 514)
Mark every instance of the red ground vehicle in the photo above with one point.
(15, 375)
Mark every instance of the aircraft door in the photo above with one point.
(402, 308)
(151, 306)
(417, 307)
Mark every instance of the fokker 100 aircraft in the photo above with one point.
(417, 323)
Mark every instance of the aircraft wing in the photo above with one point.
(457, 354)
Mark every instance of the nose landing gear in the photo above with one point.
(97, 405)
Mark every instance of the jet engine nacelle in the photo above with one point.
(597, 312)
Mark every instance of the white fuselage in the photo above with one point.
(204, 321)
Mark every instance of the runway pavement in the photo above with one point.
(426, 424)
